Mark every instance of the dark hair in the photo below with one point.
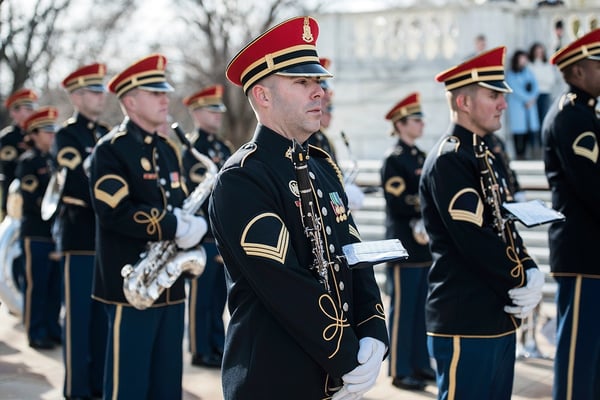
(558, 24)
(514, 62)
(532, 52)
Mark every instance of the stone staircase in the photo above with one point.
(370, 218)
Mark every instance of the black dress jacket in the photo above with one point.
(473, 267)
(135, 183)
(288, 336)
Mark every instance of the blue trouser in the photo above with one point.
(408, 337)
(85, 327)
(144, 357)
(42, 290)
(474, 368)
(577, 359)
(207, 297)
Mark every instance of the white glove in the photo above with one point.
(355, 196)
(370, 356)
(519, 197)
(526, 298)
(190, 229)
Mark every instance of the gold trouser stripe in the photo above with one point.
(116, 346)
(192, 318)
(29, 277)
(574, 325)
(396, 324)
(453, 367)
(68, 349)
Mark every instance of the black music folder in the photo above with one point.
(532, 213)
(366, 254)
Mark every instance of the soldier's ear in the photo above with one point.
(260, 94)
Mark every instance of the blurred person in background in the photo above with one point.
(546, 77)
(522, 113)
(43, 282)
(409, 364)
(208, 292)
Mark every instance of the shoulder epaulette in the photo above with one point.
(449, 145)
(242, 154)
(396, 151)
(69, 121)
(566, 100)
(27, 155)
(7, 130)
(117, 132)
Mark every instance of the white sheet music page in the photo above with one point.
(364, 254)
(533, 213)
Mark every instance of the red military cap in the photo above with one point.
(587, 46)
(147, 73)
(287, 49)
(209, 97)
(44, 119)
(325, 62)
(90, 77)
(410, 106)
(486, 69)
(21, 97)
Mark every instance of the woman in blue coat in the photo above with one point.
(522, 105)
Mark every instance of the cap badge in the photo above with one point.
(307, 35)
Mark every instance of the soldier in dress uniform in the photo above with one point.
(293, 333)
(571, 133)
(320, 138)
(42, 271)
(21, 104)
(482, 282)
(85, 323)
(137, 189)
(409, 361)
(208, 293)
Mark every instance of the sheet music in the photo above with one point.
(364, 254)
(532, 213)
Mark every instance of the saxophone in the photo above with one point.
(163, 262)
(490, 186)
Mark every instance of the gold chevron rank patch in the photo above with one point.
(29, 183)
(266, 236)
(111, 189)
(586, 145)
(68, 157)
(395, 186)
(466, 205)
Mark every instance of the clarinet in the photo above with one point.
(310, 220)
(490, 187)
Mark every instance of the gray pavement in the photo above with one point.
(28, 374)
